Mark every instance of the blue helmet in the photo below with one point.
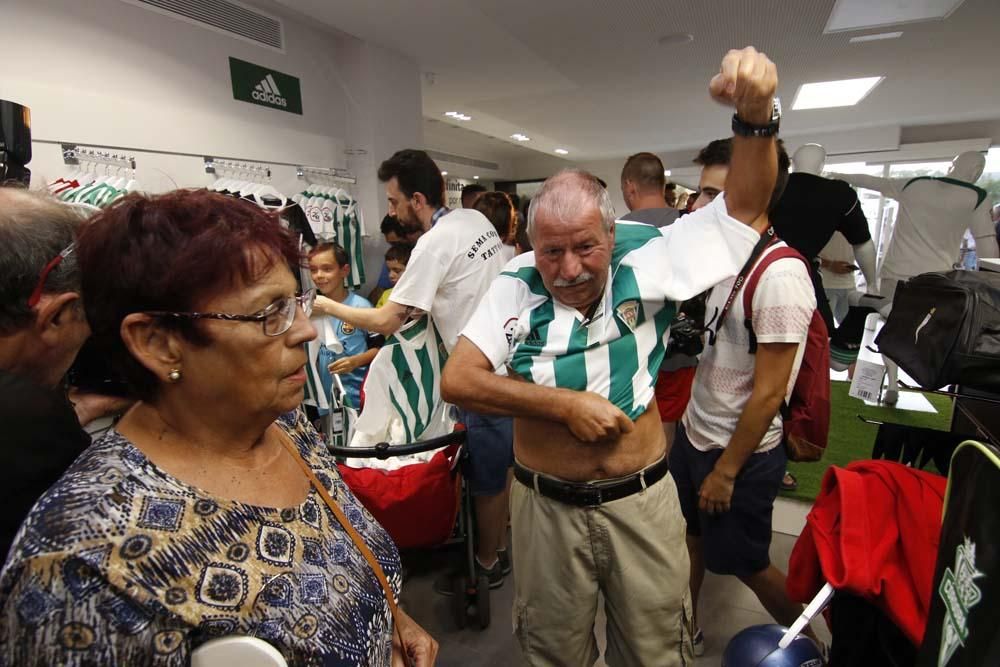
(757, 646)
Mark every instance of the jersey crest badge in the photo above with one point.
(348, 329)
(628, 312)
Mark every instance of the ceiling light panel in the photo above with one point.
(861, 14)
(826, 94)
(458, 115)
(520, 137)
(878, 37)
(561, 151)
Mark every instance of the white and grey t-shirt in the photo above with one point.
(450, 269)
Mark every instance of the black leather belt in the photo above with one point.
(585, 494)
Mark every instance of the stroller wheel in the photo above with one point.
(483, 602)
(459, 603)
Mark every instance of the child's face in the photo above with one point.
(396, 269)
(325, 272)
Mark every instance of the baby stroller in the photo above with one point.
(413, 487)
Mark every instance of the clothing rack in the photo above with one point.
(326, 173)
(74, 154)
(94, 150)
(255, 169)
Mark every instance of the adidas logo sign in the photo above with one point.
(267, 91)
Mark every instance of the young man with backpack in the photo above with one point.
(729, 455)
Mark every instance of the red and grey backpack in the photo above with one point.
(806, 415)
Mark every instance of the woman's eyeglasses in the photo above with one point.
(276, 319)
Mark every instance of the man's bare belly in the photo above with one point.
(549, 447)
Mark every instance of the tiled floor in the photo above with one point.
(726, 607)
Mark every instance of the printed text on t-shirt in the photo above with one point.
(477, 247)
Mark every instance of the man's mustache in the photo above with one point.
(579, 280)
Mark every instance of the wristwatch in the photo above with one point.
(744, 129)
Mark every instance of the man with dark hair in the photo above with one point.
(643, 184)
(714, 160)
(391, 229)
(42, 327)
(450, 269)
(670, 194)
(728, 458)
(393, 233)
(469, 194)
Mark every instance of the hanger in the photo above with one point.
(870, 421)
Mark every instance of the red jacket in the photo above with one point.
(874, 532)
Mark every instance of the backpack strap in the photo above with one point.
(751, 285)
(767, 238)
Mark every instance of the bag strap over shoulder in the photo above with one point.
(359, 542)
(758, 271)
(767, 238)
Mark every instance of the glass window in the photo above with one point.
(871, 201)
(915, 169)
(990, 180)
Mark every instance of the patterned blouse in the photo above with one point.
(120, 563)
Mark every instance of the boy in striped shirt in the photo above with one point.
(581, 323)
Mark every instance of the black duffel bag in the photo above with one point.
(944, 329)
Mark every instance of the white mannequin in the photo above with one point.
(933, 217)
(810, 158)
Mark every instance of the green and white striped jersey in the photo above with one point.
(348, 233)
(618, 351)
(402, 392)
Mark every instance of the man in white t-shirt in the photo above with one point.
(450, 268)
(728, 459)
(581, 323)
(836, 264)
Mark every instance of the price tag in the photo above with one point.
(338, 422)
(867, 380)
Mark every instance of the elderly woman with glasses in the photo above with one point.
(194, 517)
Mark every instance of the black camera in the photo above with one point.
(687, 331)
(686, 337)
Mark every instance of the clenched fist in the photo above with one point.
(746, 80)
(592, 418)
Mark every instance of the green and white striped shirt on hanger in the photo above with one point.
(403, 389)
(618, 351)
(348, 231)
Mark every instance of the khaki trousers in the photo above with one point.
(632, 550)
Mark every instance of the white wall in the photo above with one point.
(109, 73)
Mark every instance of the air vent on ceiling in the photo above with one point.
(438, 156)
(225, 16)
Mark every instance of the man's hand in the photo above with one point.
(840, 267)
(591, 418)
(716, 493)
(324, 305)
(746, 80)
(345, 365)
(419, 649)
(90, 407)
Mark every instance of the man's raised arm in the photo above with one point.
(747, 81)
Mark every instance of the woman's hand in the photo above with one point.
(418, 649)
